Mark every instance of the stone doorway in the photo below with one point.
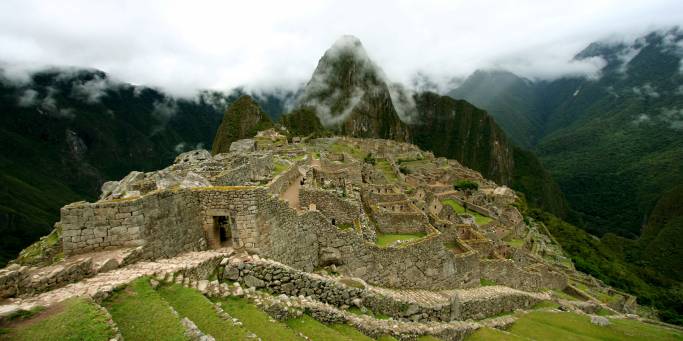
(222, 231)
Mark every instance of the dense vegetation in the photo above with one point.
(613, 143)
(458, 130)
(303, 122)
(606, 260)
(243, 119)
(64, 132)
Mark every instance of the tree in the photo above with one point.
(466, 186)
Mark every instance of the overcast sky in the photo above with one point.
(187, 45)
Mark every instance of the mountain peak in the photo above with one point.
(349, 93)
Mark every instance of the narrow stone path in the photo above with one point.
(102, 284)
(291, 195)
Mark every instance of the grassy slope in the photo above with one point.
(545, 325)
(195, 306)
(257, 321)
(141, 314)
(317, 331)
(77, 319)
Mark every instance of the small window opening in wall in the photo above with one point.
(334, 222)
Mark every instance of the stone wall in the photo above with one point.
(282, 182)
(330, 204)
(399, 222)
(164, 223)
(22, 280)
(286, 236)
(505, 272)
(493, 303)
(239, 204)
(280, 279)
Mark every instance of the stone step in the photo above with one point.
(101, 285)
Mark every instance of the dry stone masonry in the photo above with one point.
(342, 222)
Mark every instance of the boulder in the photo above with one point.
(107, 188)
(193, 179)
(107, 265)
(123, 188)
(243, 146)
(165, 179)
(599, 320)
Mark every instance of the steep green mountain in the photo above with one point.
(243, 119)
(302, 122)
(512, 100)
(64, 132)
(457, 129)
(614, 143)
(350, 94)
(663, 235)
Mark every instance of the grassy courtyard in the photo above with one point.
(457, 208)
(385, 240)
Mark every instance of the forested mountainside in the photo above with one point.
(64, 132)
(613, 143)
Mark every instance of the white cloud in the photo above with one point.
(674, 117)
(28, 99)
(184, 46)
(92, 90)
(646, 90)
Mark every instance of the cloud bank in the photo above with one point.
(184, 46)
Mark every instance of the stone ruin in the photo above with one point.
(315, 206)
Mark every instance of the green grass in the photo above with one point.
(279, 167)
(543, 325)
(339, 148)
(257, 321)
(315, 330)
(195, 306)
(486, 334)
(457, 208)
(386, 338)
(564, 295)
(78, 319)
(516, 243)
(385, 167)
(350, 332)
(142, 314)
(486, 282)
(345, 226)
(546, 304)
(384, 240)
(604, 312)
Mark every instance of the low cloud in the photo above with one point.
(646, 90)
(268, 44)
(28, 98)
(673, 117)
(92, 90)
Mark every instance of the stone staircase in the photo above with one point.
(98, 287)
